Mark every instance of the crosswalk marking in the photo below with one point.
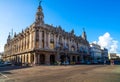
(4, 75)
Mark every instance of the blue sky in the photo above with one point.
(96, 16)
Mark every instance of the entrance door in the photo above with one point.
(73, 59)
(52, 59)
(62, 58)
(42, 59)
(78, 58)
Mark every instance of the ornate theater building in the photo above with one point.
(45, 44)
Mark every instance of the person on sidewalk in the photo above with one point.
(104, 62)
(112, 62)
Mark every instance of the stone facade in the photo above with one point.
(105, 54)
(96, 52)
(45, 44)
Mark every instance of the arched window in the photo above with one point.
(73, 48)
(37, 35)
(42, 34)
(52, 38)
(28, 41)
(60, 39)
(52, 41)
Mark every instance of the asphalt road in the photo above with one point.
(77, 73)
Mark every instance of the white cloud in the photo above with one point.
(106, 41)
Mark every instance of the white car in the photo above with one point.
(7, 63)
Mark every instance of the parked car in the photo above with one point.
(82, 62)
(1, 64)
(94, 62)
(117, 62)
(88, 62)
(5, 64)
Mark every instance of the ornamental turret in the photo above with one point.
(9, 38)
(84, 36)
(39, 15)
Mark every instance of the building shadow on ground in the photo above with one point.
(8, 68)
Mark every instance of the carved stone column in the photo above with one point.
(34, 38)
(47, 59)
(25, 42)
(71, 58)
(65, 42)
(45, 39)
(29, 40)
(18, 45)
(38, 59)
(22, 45)
(55, 40)
(69, 45)
(35, 59)
(49, 40)
(75, 46)
(40, 39)
(57, 56)
(22, 56)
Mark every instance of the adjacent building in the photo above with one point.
(96, 53)
(112, 55)
(1, 55)
(105, 54)
(41, 43)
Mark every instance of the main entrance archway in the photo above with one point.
(73, 58)
(62, 59)
(78, 58)
(52, 59)
(42, 59)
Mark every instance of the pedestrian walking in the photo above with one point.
(104, 62)
(112, 62)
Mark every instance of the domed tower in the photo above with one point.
(39, 15)
(84, 36)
